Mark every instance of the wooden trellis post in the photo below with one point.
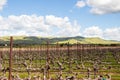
(77, 51)
(48, 59)
(69, 60)
(10, 58)
(81, 52)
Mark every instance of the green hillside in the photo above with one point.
(99, 41)
(62, 40)
(94, 40)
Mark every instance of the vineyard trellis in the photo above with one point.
(61, 60)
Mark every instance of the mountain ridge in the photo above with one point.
(53, 40)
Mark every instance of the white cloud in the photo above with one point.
(56, 21)
(112, 33)
(50, 25)
(108, 33)
(100, 6)
(23, 25)
(2, 3)
(80, 4)
(33, 25)
(93, 31)
(69, 29)
(104, 6)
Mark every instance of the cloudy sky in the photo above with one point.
(60, 18)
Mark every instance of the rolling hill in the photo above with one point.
(61, 40)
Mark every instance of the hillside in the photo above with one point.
(62, 40)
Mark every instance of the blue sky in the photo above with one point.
(89, 18)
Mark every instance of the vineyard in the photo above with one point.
(60, 62)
